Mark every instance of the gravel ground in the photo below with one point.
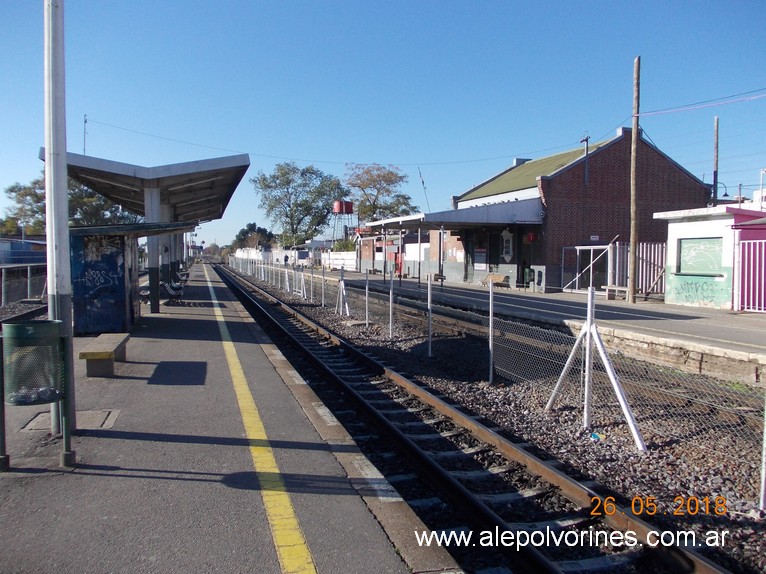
(14, 309)
(458, 369)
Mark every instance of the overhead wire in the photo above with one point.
(731, 99)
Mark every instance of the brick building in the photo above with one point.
(543, 220)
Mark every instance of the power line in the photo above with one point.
(305, 160)
(735, 98)
(709, 103)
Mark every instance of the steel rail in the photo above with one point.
(459, 494)
(680, 559)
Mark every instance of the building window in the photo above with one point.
(700, 256)
(507, 253)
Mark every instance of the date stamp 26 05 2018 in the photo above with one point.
(648, 506)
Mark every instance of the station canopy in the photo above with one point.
(496, 214)
(195, 191)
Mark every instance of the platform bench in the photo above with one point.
(613, 290)
(497, 279)
(101, 353)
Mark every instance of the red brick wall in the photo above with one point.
(575, 212)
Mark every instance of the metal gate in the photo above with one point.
(751, 280)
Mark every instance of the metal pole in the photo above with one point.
(633, 183)
(401, 256)
(57, 211)
(29, 281)
(5, 461)
(715, 161)
(420, 255)
(637, 438)
(491, 330)
(430, 312)
(565, 371)
(391, 306)
(4, 300)
(323, 282)
(441, 247)
(588, 360)
(367, 298)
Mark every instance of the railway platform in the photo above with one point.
(204, 452)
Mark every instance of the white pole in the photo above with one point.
(491, 330)
(57, 210)
(391, 306)
(565, 371)
(619, 393)
(367, 298)
(588, 360)
(430, 354)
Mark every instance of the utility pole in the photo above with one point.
(715, 162)
(632, 255)
(585, 140)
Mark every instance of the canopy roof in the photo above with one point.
(505, 213)
(132, 229)
(195, 191)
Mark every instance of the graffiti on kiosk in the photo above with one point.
(97, 279)
(697, 292)
(97, 246)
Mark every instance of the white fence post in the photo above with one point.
(491, 331)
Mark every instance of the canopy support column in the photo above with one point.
(152, 210)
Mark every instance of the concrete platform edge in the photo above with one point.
(395, 516)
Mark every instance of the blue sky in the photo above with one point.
(457, 89)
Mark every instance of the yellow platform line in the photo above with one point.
(292, 550)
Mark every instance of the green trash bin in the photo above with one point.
(33, 362)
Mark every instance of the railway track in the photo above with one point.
(511, 495)
(16, 312)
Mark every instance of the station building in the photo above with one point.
(541, 222)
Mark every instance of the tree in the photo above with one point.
(252, 236)
(376, 191)
(300, 200)
(86, 207)
(29, 212)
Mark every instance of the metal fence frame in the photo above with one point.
(716, 414)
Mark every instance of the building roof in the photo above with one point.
(504, 213)
(196, 190)
(133, 229)
(524, 175)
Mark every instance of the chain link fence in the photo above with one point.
(668, 404)
(23, 282)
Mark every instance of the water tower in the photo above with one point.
(343, 213)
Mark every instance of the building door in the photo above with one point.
(470, 244)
